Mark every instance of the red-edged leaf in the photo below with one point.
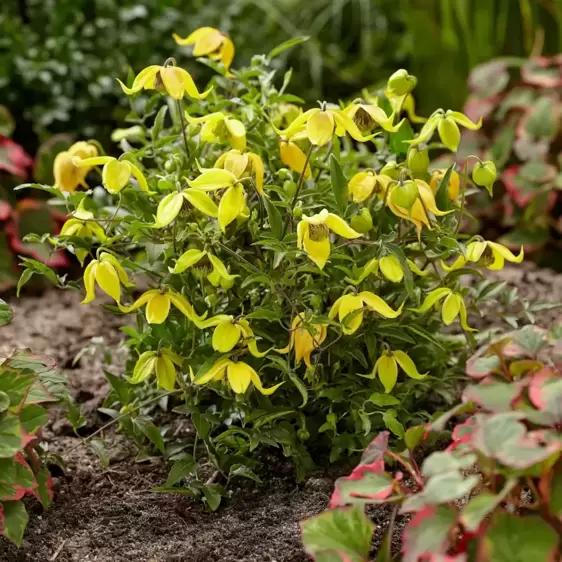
(376, 449)
(543, 72)
(13, 158)
(5, 210)
(489, 78)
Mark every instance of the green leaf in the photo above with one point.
(380, 399)
(442, 194)
(345, 530)
(393, 424)
(32, 417)
(100, 450)
(274, 218)
(243, 471)
(414, 436)
(10, 435)
(15, 521)
(44, 487)
(213, 495)
(201, 424)
(290, 43)
(556, 495)
(408, 276)
(159, 122)
(180, 470)
(4, 401)
(120, 387)
(339, 184)
(25, 276)
(6, 313)
(148, 428)
(54, 191)
(301, 387)
(398, 140)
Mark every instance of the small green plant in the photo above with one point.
(28, 383)
(495, 493)
(295, 292)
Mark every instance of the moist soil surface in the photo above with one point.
(111, 515)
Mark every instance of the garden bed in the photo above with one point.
(112, 515)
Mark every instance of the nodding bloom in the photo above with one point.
(238, 374)
(390, 267)
(305, 338)
(232, 331)
(243, 165)
(162, 362)
(453, 189)
(362, 185)
(319, 125)
(367, 116)
(209, 42)
(158, 303)
(171, 205)
(453, 306)
(386, 368)
(68, 176)
(108, 274)
(294, 158)
(447, 127)
(352, 305)
(490, 255)
(218, 276)
(313, 235)
(219, 127)
(116, 174)
(171, 80)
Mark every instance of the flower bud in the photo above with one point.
(418, 160)
(484, 174)
(401, 83)
(449, 133)
(165, 185)
(363, 222)
(297, 211)
(290, 188)
(405, 194)
(391, 170)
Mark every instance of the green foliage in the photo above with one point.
(498, 483)
(265, 319)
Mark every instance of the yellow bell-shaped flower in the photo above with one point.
(219, 274)
(232, 331)
(238, 374)
(243, 165)
(171, 205)
(68, 176)
(490, 255)
(219, 127)
(108, 273)
(305, 338)
(386, 368)
(116, 174)
(363, 184)
(313, 235)
(210, 42)
(453, 189)
(175, 81)
(367, 116)
(162, 363)
(294, 158)
(349, 310)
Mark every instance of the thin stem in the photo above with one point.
(182, 125)
(463, 196)
(298, 190)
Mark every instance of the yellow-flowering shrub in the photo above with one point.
(301, 265)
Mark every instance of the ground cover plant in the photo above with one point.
(493, 493)
(295, 275)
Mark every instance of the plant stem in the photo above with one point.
(182, 125)
(463, 196)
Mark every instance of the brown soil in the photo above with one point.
(111, 515)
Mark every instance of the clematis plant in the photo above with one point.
(283, 254)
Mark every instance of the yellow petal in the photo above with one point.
(89, 281)
(184, 306)
(361, 186)
(391, 268)
(320, 127)
(220, 267)
(208, 42)
(237, 133)
(144, 79)
(427, 131)
(227, 53)
(158, 308)
(143, 299)
(144, 367)
(345, 123)
(375, 303)
(115, 176)
(187, 259)
(193, 36)
(216, 372)
(123, 277)
(463, 120)
(231, 205)
(235, 162)
(139, 176)
(340, 227)
(165, 373)
(318, 251)
(71, 227)
(90, 162)
(168, 209)
(434, 297)
(451, 308)
(257, 383)
(505, 253)
(202, 202)
(108, 280)
(294, 158)
(174, 81)
(408, 366)
(239, 376)
(225, 336)
(212, 179)
(463, 318)
(377, 114)
(303, 229)
(415, 269)
(348, 305)
(387, 371)
(257, 169)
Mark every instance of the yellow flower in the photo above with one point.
(320, 125)
(363, 184)
(386, 368)
(313, 235)
(390, 267)
(209, 42)
(116, 174)
(68, 176)
(453, 306)
(162, 362)
(490, 255)
(219, 127)
(417, 214)
(176, 82)
(305, 338)
(238, 374)
(219, 274)
(353, 304)
(294, 158)
(171, 204)
(243, 166)
(453, 188)
(158, 303)
(232, 331)
(108, 274)
(367, 116)
(284, 114)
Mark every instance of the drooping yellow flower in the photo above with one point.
(116, 174)
(108, 273)
(453, 189)
(305, 338)
(174, 81)
(367, 116)
(294, 158)
(232, 331)
(390, 267)
(238, 374)
(313, 235)
(158, 303)
(354, 304)
(319, 125)
(162, 362)
(490, 255)
(218, 276)
(171, 204)
(453, 306)
(210, 42)
(219, 127)
(417, 214)
(362, 185)
(243, 165)
(386, 368)
(68, 176)
(283, 114)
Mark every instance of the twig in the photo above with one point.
(182, 125)
(58, 551)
